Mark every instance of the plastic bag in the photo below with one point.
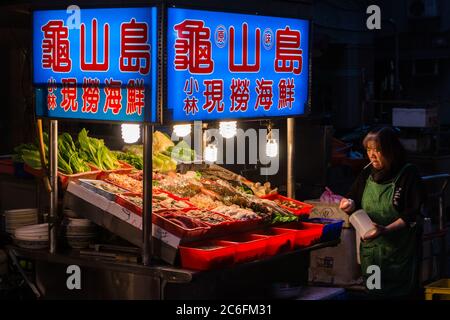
(329, 197)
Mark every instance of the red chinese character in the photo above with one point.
(56, 47)
(213, 95)
(134, 48)
(51, 97)
(91, 95)
(245, 66)
(193, 47)
(94, 65)
(221, 36)
(69, 94)
(135, 96)
(286, 93)
(265, 95)
(190, 105)
(288, 56)
(267, 38)
(113, 96)
(240, 94)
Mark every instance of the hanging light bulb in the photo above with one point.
(271, 148)
(227, 129)
(210, 154)
(182, 130)
(271, 144)
(130, 132)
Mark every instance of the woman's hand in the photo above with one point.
(347, 205)
(379, 230)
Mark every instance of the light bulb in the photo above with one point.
(271, 148)
(130, 132)
(210, 154)
(182, 130)
(227, 129)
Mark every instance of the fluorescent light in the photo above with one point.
(182, 130)
(210, 154)
(131, 132)
(227, 129)
(271, 148)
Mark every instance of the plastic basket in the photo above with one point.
(279, 240)
(196, 256)
(124, 169)
(305, 207)
(306, 233)
(439, 289)
(168, 221)
(6, 166)
(66, 178)
(331, 228)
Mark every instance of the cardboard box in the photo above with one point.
(328, 211)
(336, 265)
(415, 117)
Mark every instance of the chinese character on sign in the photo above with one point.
(134, 49)
(220, 36)
(190, 103)
(245, 66)
(91, 95)
(288, 56)
(135, 96)
(286, 93)
(240, 94)
(56, 47)
(51, 97)
(214, 95)
(94, 65)
(265, 95)
(69, 94)
(113, 96)
(193, 47)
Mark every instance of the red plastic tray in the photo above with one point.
(163, 219)
(124, 168)
(249, 247)
(306, 207)
(217, 228)
(7, 166)
(194, 257)
(306, 233)
(66, 178)
(138, 210)
(279, 240)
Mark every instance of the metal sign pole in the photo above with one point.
(54, 184)
(290, 157)
(147, 242)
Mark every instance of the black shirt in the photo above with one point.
(409, 192)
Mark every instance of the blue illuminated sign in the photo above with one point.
(233, 66)
(103, 68)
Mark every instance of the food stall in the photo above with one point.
(197, 230)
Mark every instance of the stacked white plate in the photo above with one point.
(20, 217)
(79, 232)
(32, 237)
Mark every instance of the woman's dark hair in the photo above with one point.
(391, 148)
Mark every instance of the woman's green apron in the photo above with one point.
(395, 252)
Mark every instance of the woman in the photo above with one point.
(391, 192)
